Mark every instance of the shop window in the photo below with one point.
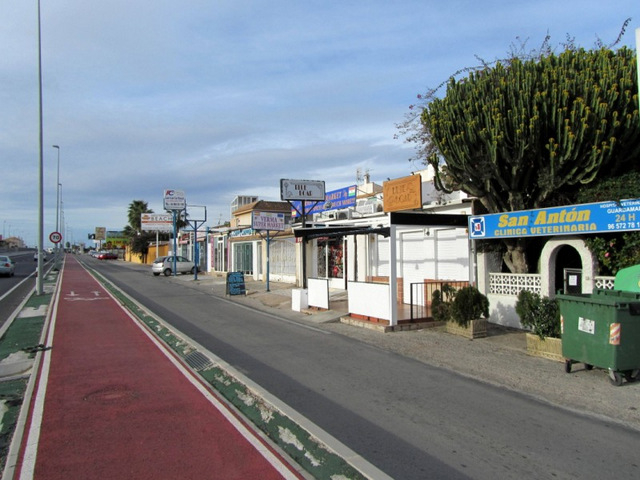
(331, 258)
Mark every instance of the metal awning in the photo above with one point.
(420, 219)
(423, 219)
(339, 231)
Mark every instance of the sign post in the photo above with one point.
(195, 223)
(174, 201)
(267, 221)
(304, 191)
(158, 222)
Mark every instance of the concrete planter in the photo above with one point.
(549, 347)
(474, 329)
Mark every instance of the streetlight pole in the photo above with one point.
(40, 241)
(57, 262)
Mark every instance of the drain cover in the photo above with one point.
(198, 361)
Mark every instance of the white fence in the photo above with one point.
(318, 292)
(510, 284)
(370, 299)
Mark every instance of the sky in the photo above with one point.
(225, 98)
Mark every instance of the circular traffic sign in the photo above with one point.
(55, 237)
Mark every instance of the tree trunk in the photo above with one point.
(516, 255)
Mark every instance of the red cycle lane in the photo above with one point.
(117, 406)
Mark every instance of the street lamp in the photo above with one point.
(58, 207)
(40, 240)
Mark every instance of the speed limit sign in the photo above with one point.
(55, 237)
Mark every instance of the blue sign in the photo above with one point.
(235, 283)
(568, 220)
(334, 200)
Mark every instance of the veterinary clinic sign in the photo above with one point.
(567, 220)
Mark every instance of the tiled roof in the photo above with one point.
(264, 206)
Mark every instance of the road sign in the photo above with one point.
(174, 200)
(55, 237)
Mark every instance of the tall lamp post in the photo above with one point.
(40, 241)
(58, 209)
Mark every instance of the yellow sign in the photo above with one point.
(101, 233)
(402, 193)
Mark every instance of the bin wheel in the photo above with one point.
(567, 366)
(615, 378)
(630, 375)
(588, 366)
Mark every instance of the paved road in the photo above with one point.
(110, 403)
(412, 420)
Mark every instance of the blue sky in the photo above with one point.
(225, 98)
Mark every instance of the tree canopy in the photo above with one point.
(529, 133)
(138, 240)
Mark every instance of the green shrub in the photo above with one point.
(540, 314)
(469, 304)
(441, 303)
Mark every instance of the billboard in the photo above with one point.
(568, 220)
(333, 200)
(156, 222)
(303, 190)
(174, 200)
(267, 221)
(402, 193)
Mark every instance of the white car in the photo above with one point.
(44, 256)
(7, 266)
(165, 265)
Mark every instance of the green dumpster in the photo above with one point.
(602, 329)
(628, 279)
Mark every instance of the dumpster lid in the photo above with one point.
(628, 279)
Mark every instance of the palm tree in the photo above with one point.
(137, 239)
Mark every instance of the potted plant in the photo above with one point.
(542, 316)
(469, 312)
(441, 303)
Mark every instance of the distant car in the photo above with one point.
(107, 256)
(165, 265)
(7, 266)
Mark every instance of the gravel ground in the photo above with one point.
(500, 359)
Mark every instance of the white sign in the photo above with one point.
(267, 221)
(586, 325)
(174, 200)
(312, 190)
(55, 237)
(161, 222)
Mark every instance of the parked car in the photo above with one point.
(7, 266)
(165, 265)
(107, 256)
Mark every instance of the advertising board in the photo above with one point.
(333, 200)
(174, 200)
(566, 220)
(267, 221)
(402, 193)
(156, 222)
(303, 190)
